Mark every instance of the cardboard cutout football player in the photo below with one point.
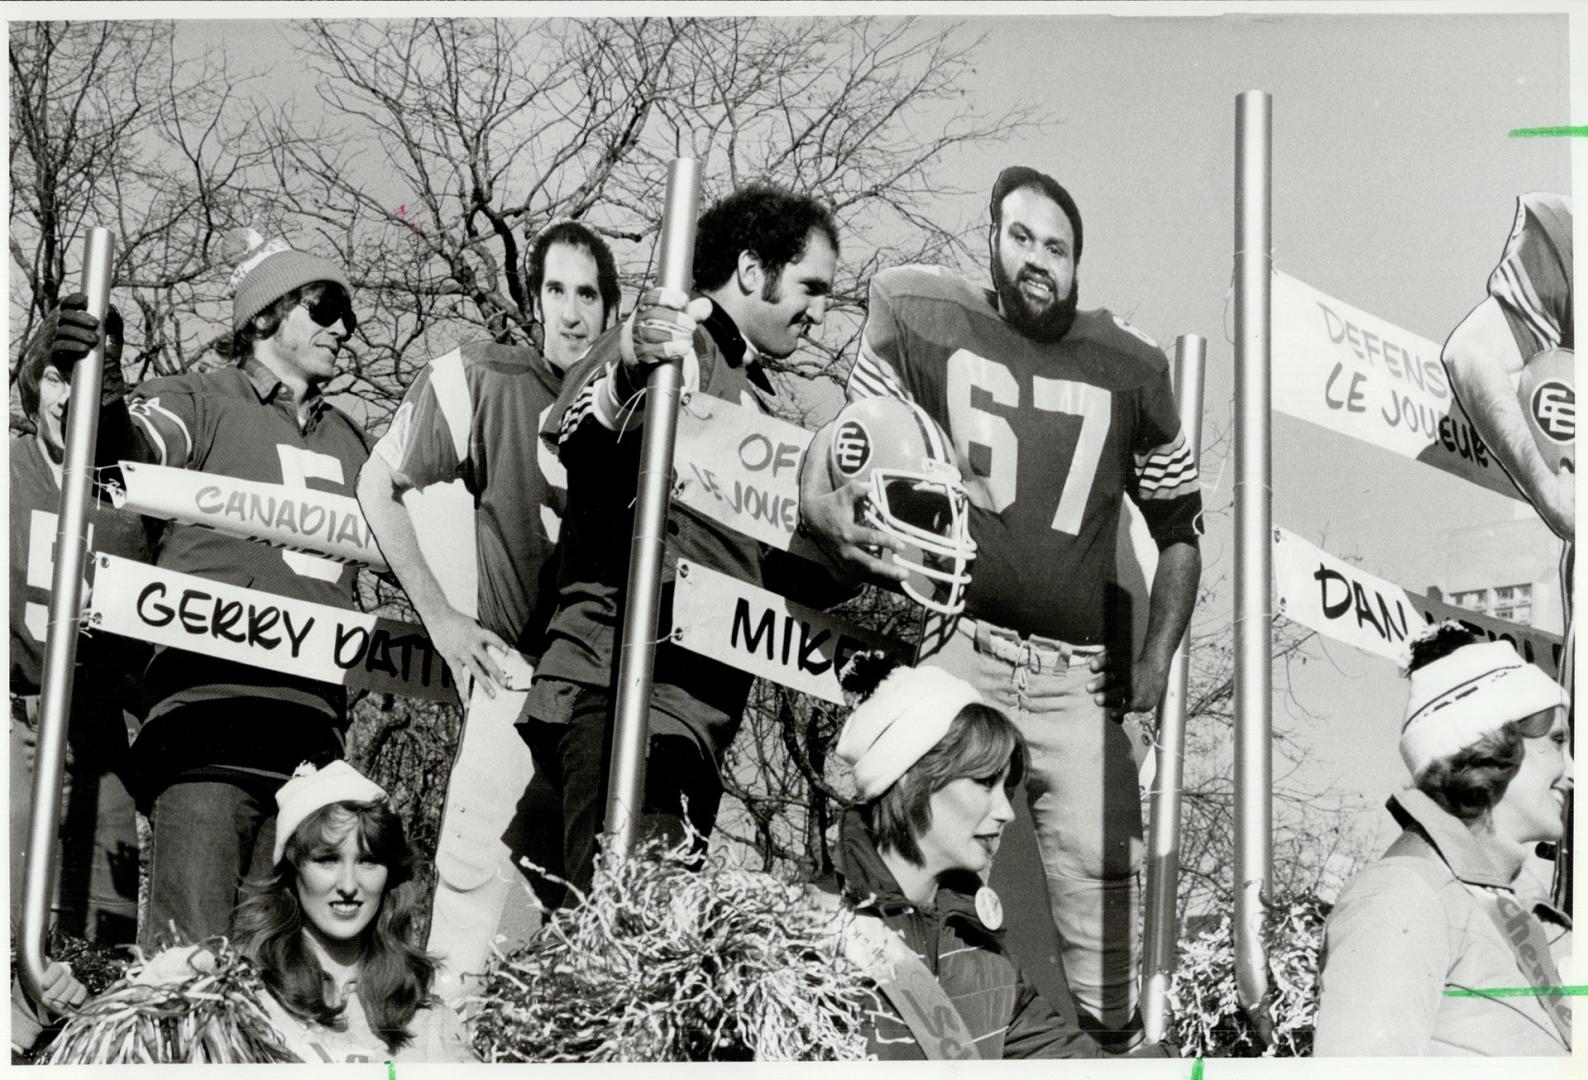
(1054, 414)
(473, 416)
(1510, 363)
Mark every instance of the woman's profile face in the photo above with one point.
(968, 819)
(1532, 806)
(340, 887)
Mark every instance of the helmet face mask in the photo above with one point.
(914, 495)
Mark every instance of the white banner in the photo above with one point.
(298, 637)
(749, 628)
(1347, 604)
(1340, 368)
(298, 518)
(740, 467)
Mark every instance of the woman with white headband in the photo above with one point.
(1430, 950)
(933, 767)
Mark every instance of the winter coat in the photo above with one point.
(1004, 1013)
(1403, 936)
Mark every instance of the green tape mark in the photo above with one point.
(1522, 991)
(391, 1071)
(1546, 132)
(1196, 1068)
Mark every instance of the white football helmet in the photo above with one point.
(916, 495)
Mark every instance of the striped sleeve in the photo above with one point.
(1166, 471)
(428, 441)
(166, 420)
(1532, 282)
(876, 373)
(594, 399)
(1164, 482)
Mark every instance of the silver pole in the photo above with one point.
(1253, 553)
(637, 652)
(60, 641)
(1163, 850)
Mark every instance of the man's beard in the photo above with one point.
(1050, 324)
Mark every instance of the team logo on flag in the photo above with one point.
(1554, 405)
(852, 447)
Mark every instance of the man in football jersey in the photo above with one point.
(474, 414)
(96, 894)
(1055, 414)
(221, 737)
(763, 269)
(1523, 330)
(1527, 313)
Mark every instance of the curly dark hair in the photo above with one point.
(395, 974)
(772, 224)
(577, 235)
(979, 742)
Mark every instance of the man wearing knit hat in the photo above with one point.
(220, 737)
(1055, 415)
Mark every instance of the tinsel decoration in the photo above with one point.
(214, 1017)
(1208, 1018)
(664, 963)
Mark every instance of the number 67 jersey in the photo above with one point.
(1048, 436)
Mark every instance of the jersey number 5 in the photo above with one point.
(297, 465)
(970, 426)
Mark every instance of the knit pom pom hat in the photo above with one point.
(270, 269)
(909, 713)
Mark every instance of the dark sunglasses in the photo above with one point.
(328, 307)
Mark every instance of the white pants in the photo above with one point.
(481, 896)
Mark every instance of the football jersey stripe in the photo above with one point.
(1160, 478)
(1159, 464)
(582, 406)
(1518, 291)
(155, 417)
(153, 433)
(451, 388)
(1167, 474)
(1165, 494)
(873, 376)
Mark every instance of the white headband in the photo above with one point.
(1474, 691)
(906, 716)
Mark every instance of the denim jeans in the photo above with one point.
(1085, 801)
(574, 758)
(207, 836)
(96, 885)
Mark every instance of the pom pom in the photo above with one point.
(239, 242)
(1432, 642)
(864, 672)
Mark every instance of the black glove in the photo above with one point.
(74, 336)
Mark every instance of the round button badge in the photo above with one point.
(989, 908)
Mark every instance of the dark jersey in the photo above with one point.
(35, 504)
(692, 694)
(475, 415)
(1533, 280)
(1049, 435)
(242, 422)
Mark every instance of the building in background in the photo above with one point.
(1507, 569)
